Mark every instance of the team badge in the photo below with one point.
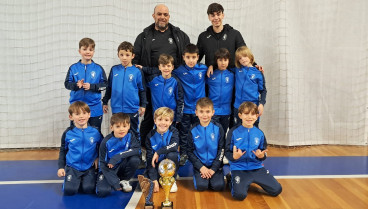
(252, 76)
(227, 79)
(91, 140)
(200, 75)
(237, 179)
(131, 77)
(224, 37)
(171, 41)
(170, 90)
(256, 140)
(212, 136)
(69, 178)
(93, 74)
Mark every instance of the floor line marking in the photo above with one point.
(133, 202)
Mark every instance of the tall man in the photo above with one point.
(160, 37)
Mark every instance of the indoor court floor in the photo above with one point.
(312, 177)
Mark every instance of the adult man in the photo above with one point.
(160, 37)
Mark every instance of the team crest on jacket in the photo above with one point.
(224, 37)
(227, 79)
(131, 77)
(93, 74)
(256, 140)
(200, 75)
(212, 136)
(91, 140)
(171, 41)
(252, 76)
(170, 90)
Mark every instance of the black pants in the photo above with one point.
(75, 179)
(146, 124)
(186, 123)
(223, 120)
(216, 183)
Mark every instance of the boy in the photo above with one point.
(86, 80)
(119, 157)
(192, 78)
(246, 148)
(220, 88)
(79, 151)
(126, 88)
(206, 148)
(250, 85)
(162, 142)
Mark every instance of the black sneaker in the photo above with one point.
(183, 159)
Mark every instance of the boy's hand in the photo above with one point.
(154, 159)
(259, 153)
(105, 108)
(139, 66)
(211, 172)
(61, 172)
(141, 111)
(96, 163)
(156, 186)
(86, 86)
(209, 71)
(260, 68)
(260, 109)
(110, 165)
(237, 153)
(80, 83)
(205, 172)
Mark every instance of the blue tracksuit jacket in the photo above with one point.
(193, 82)
(250, 86)
(79, 147)
(220, 91)
(206, 146)
(91, 73)
(126, 89)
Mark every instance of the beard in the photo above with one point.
(161, 26)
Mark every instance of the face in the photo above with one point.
(163, 123)
(161, 17)
(222, 63)
(245, 61)
(166, 69)
(120, 129)
(80, 119)
(86, 53)
(190, 59)
(204, 114)
(125, 57)
(216, 18)
(248, 119)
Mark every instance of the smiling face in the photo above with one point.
(120, 129)
(161, 16)
(80, 118)
(245, 61)
(216, 19)
(166, 70)
(126, 57)
(204, 114)
(248, 119)
(163, 123)
(87, 53)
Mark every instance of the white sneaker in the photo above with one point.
(126, 186)
(174, 188)
(225, 161)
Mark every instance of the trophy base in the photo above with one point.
(167, 207)
(149, 206)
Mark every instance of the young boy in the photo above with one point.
(86, 80)
(192, 78)
(250, 85)
(126, 88)
(79, 151)
(119, 157)
(246, 148)
(161, 143)
(220, 88)
(206, 148)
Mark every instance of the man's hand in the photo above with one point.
(237, 153)
(209, 71)
(105, 108)
(260, 109)
(141, 111)
(260, 68)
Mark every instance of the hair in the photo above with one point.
(78, 107)
(120, 117)
(165, 59)
(222, 53)
(243, 51)
(248, 107)
(204, 102)
(164, 112)
(191, 49)
(87, 42)
(214, 7)
(127, 46)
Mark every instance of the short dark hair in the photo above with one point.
(204, 102)
(191, 49)
(215, 7)
(78, 107)
(127, 46)
(87, 42)
(165, 59)
(222, 53)
(120, 118)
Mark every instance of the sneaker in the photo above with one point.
(174, 188)
(183, 159)
(225, 161)
(126, 186)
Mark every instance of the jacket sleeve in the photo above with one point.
(220, 151)
(179, 100)
(197, 164)
(63, 151)
(138, 48)
(229, 145)
(69, 82)
(262, 146)
(142, 91)
(134, 149)
(173, 146)
(239, 41)
(107, 96)
(101, 86)
(152, 172)
(262, 90)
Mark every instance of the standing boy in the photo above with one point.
(119, 157)
(126, 88)
(86, 80)
(206, 148)
(192, 78)
(78, 155)
(161, 143)
(246, 148)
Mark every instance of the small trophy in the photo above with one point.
(147, 190)
(166, 169)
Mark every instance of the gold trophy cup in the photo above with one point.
(166, 169)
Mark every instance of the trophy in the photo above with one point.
(166, 169)
(147, 190)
